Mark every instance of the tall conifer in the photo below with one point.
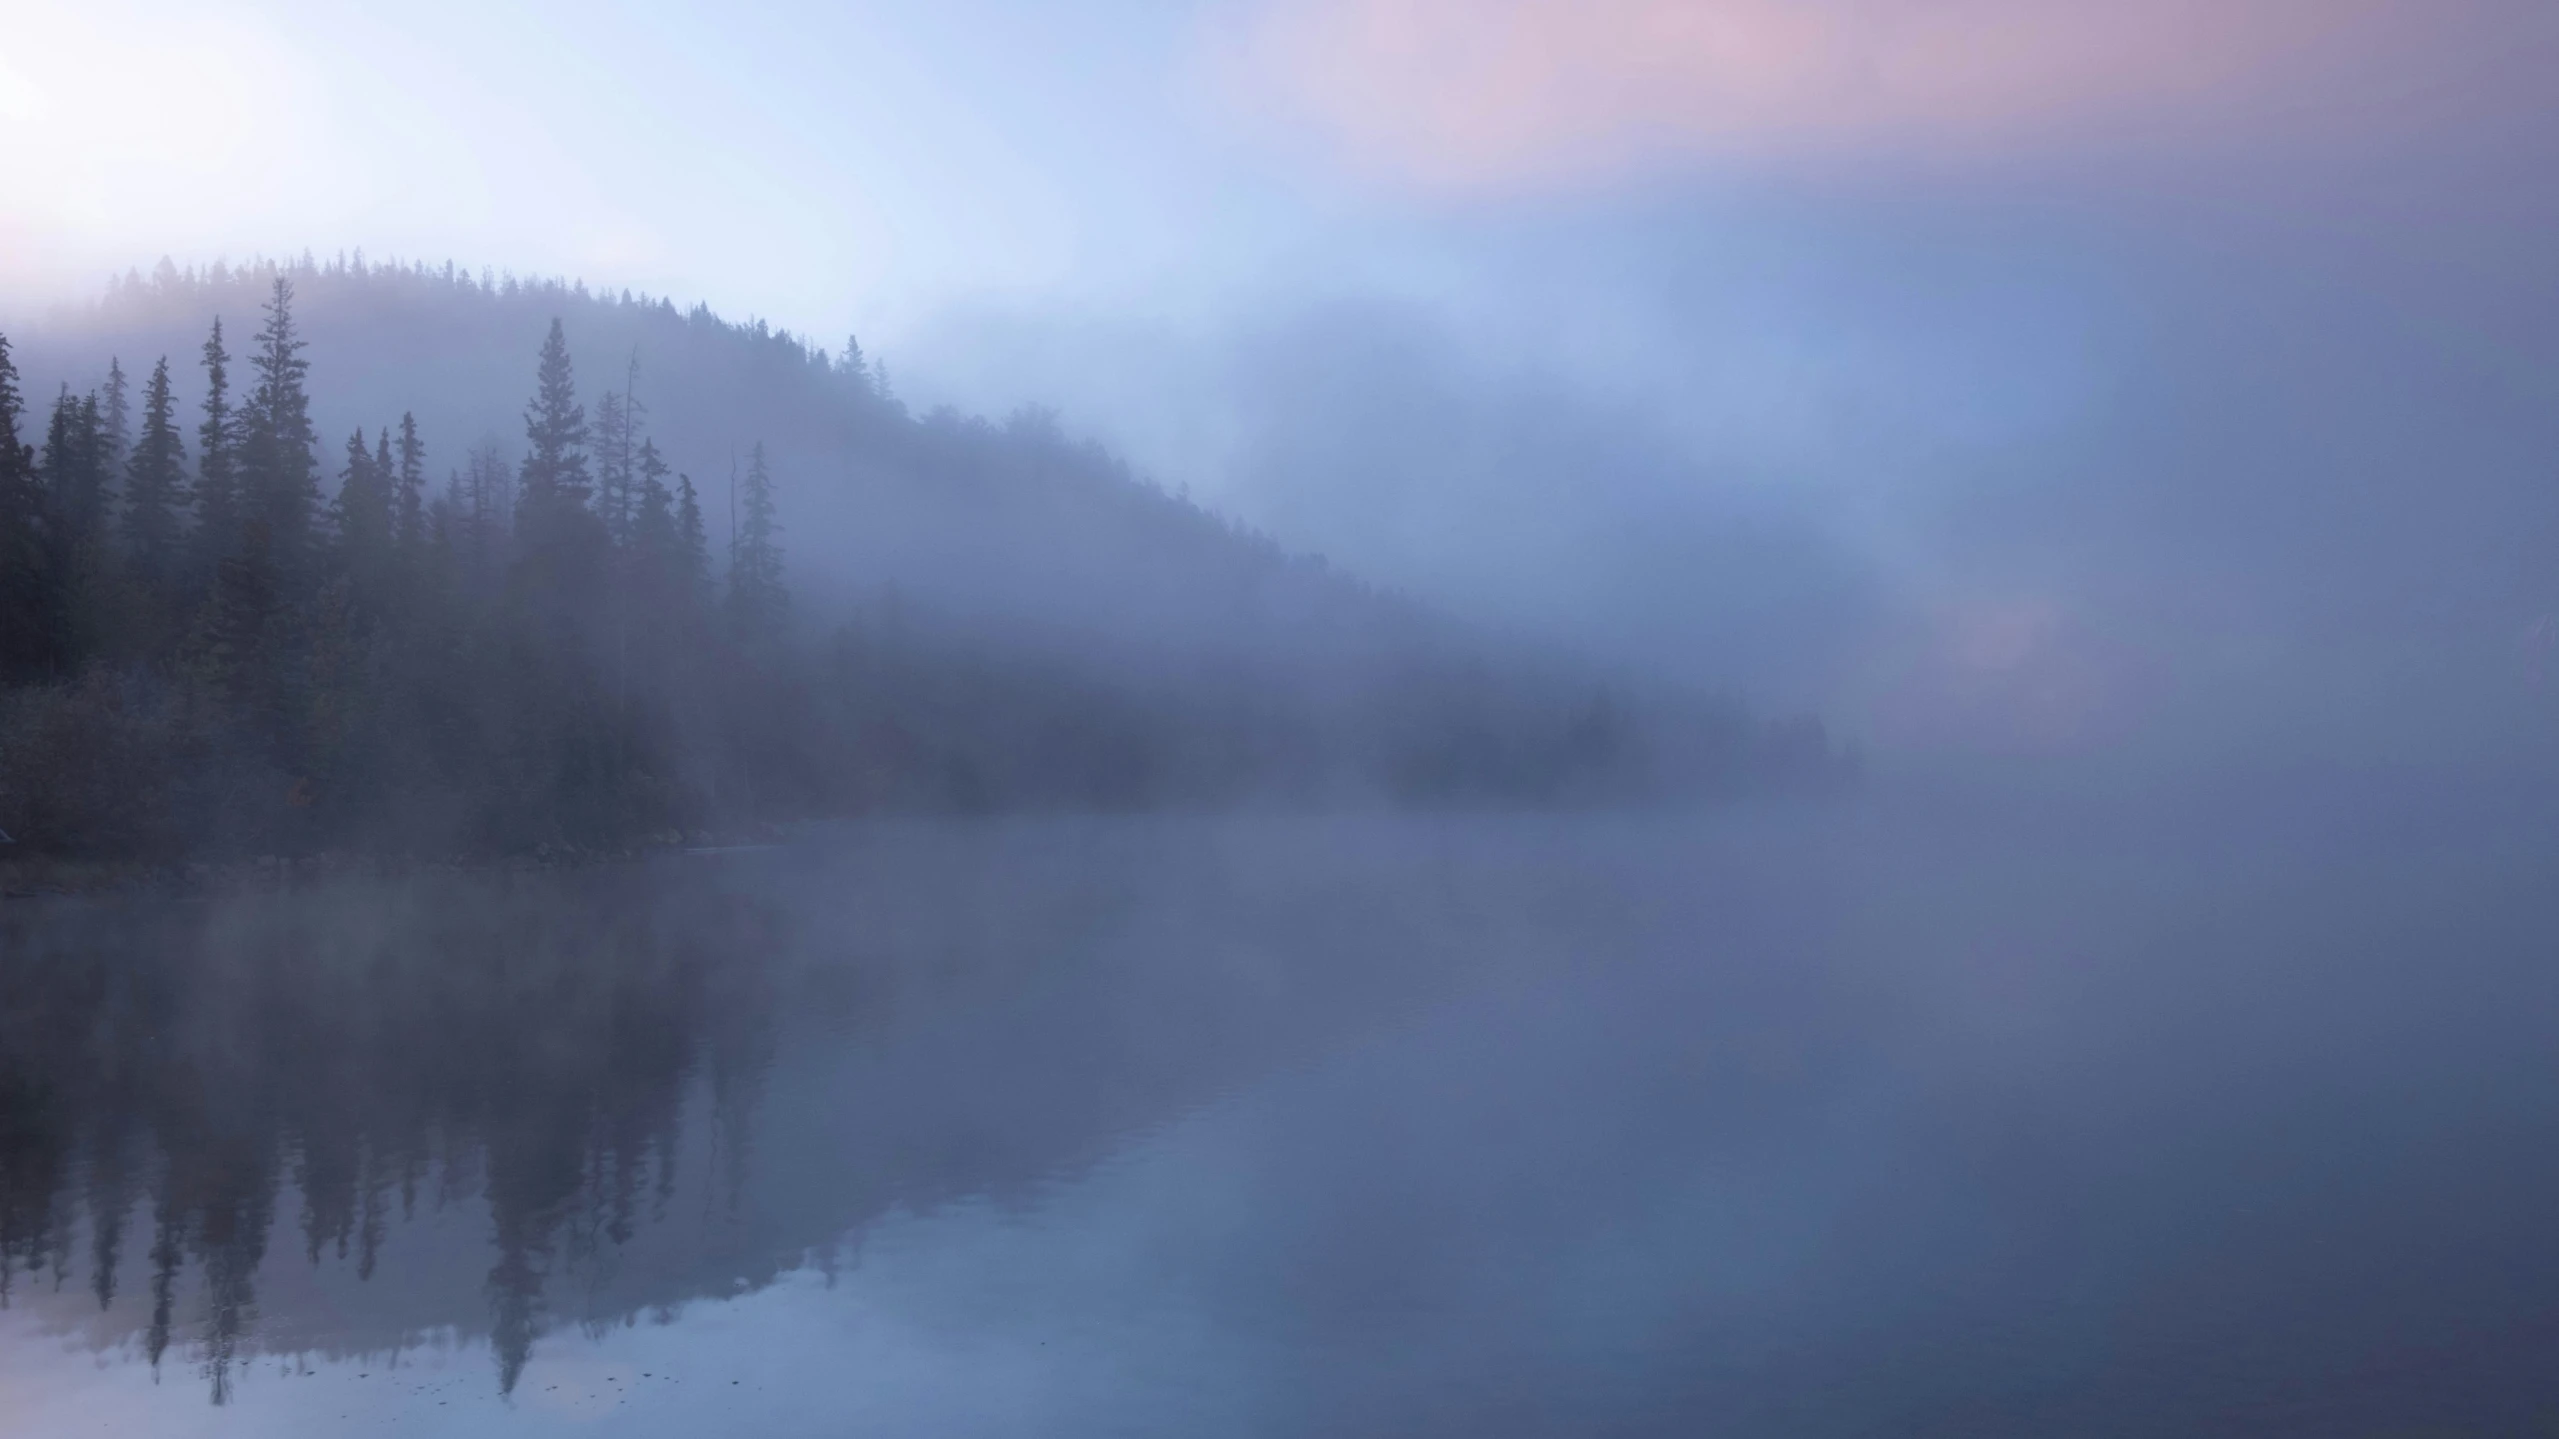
(554, 487)
(409, 489)
(25, 647)
(363, 513)
(280, 477)
(217, 473)
(693, 543)
(756, 597)
(115, 415)
(155, 485)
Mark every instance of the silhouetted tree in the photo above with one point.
(217, 483)
(26, 648)
(408, 507)
(115, 417)
(363, 513)
(531, 661)
(693, 542)
(617, 429)
(756, 597)
(74, 550)
(280, 479)
(155, 488)
(553, 486)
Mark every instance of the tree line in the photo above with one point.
(206, 646)
(215, 643)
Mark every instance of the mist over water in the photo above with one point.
(1896, 1115)
(1457, 717)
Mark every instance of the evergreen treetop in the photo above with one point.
(155, 483)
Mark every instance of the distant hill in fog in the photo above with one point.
(1005, 519)
(967, 614)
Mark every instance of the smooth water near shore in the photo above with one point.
(1895, 1116)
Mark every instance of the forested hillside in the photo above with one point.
(400, 560)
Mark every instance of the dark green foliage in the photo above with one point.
(692, 543)
(617, 459)
(25, 641)
(553, 487)
(408, 506)
(544, 655)
(72, 585)
(756, 597)
(115, 416)
(217, 483)
(154, 489)
(363, 513)
(279, 476)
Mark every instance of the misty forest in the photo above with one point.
(226, 636)
(1279, 719)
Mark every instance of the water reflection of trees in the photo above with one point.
(376, 1046)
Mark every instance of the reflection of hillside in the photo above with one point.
(662, 1081)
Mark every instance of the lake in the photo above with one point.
(1935, 1110)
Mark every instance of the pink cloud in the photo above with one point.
(1499, 92)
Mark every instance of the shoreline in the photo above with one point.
(35, 878)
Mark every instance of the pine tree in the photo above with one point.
(115, 413)
(483, 508)
(657, 547)
(855, 371)
(653, 535)
(363, 513)
(74, 447)
(756, 597)
(25, 642)
(553, 487)
(280, 478)
(617, 434)
(154, 486)
(649, 468)
(217, 482)
(409, 489)
(693, 544)
(75, 511)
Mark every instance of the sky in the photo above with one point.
(2020, 372)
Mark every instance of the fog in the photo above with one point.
(1280, 717)
(2254, 477)
(1934, 1109)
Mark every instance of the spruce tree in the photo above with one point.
(654, 541)
(409, 489)
(363, 513)
(756, 597)
(656, 548)
(649, 468)
(154, 486)
(855, 371)
(616, 418)
(280, 478)
(25, 644)
(115, 414)
(16, 464)
(553, 488)
(74, 476)
(75, 512)
(217, 476)
(693, 543)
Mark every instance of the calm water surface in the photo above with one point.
(1904, 1116)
